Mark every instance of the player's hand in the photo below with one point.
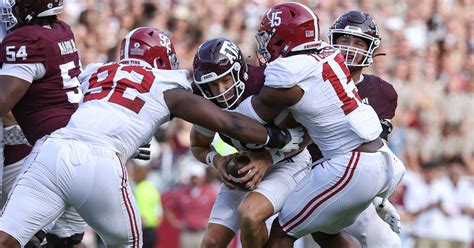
(297, 136)
(388, 213)
(143, 152)
(258, 166)
(220, 162)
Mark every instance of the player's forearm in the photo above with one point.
(250, 131)
(245, 129)
(200, 152)
(201, 145)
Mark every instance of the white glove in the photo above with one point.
(297, 136)
(388, 213)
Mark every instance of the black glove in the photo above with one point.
(143, 152)
(386, 128)
(286, 139)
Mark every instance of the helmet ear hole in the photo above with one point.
(159, 63)
(279, 43)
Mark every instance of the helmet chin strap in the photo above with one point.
(379, 54)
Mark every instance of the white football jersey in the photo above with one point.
(330, 109)
(122, 106)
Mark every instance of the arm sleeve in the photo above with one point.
(27, 72)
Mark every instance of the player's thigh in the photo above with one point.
(331, 196)
(35, 199)
(105, 201)
(224, 211)
(282, 178)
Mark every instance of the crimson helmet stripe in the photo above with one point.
(315, 18)
(127, 43)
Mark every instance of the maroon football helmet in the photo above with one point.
(360, 25)
(286, 28)
(150, 47)
(17, 12)
(215, 59)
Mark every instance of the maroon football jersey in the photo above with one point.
(49, 102)
(377, 93)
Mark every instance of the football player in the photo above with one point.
(310, 78)
(81, 166)
(222, 76)
(38, 82)
(356, 34)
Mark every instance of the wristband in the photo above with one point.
(210, 158)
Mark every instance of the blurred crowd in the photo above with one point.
(427, 53)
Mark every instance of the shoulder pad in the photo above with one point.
(289, 71)
(180, 78)
(22, 47)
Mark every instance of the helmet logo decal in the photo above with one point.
(136, 50)
(165, 41)
(230, 50)
(276, 19)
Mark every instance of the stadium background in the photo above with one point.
(430, 61)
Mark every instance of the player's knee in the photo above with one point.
(250, 216)
(211, 241)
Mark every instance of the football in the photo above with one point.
(233, 166)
